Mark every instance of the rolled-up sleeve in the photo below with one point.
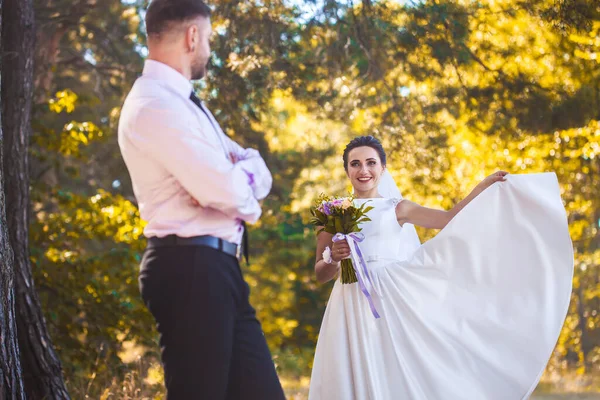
(199, 165)
(260, 177)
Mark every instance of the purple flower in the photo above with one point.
(326, 208)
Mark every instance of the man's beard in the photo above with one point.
(199, 71)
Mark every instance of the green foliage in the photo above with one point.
(85, 236)
(85, 255)
(455, 89)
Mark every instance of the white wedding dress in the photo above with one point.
(473, 314)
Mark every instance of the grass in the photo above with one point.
(143, 381)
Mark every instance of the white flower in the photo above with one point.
(327, 255)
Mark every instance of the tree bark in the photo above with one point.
(11, 380)
(42, 372)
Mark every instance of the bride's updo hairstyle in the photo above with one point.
(362, 141)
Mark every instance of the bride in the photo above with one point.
(472, 314)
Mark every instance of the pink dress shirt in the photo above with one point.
(173, 151)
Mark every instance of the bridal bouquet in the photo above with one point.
(337, 215)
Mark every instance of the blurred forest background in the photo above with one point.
(455, 89)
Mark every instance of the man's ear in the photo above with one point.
(191, 38)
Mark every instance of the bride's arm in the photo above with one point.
(407, 211)
(325, 272)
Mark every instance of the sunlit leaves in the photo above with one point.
(464, 89)
(63, 101)
(96, 290)
(73, 136)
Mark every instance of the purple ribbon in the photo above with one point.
(357, 258)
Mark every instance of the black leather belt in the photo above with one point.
(207, 241)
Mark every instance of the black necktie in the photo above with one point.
(245, 248)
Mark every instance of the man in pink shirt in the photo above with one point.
(196, 188)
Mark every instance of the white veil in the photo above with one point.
(387, 188)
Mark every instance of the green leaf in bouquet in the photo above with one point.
(330, 229)
(346, 222)
(321, 215)
(348, 227)
(338, 225)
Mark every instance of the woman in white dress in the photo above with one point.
(472, 314)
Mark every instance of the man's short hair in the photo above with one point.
(163, 15)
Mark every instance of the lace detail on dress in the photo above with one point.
(396, 200)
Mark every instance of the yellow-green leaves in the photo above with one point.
(64, 101)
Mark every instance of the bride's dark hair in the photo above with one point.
(362, 141)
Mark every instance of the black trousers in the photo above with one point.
(212, 344)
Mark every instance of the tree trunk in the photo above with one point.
(42, 372)
(11, 380)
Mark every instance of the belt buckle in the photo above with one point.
(238, 252)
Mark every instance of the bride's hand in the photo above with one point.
(499, 176)
(340, 250)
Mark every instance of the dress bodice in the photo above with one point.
(384, 237)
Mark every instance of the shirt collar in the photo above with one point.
(171, 77)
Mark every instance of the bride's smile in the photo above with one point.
(364, 169)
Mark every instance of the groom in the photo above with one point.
(212, 344)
